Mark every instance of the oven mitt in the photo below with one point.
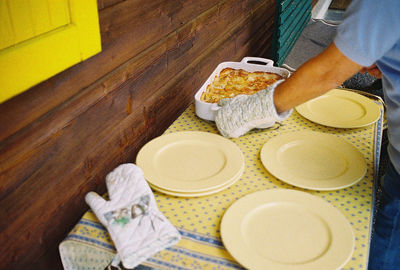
(136, 226)
(242, 113)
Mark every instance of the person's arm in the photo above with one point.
(314, 78)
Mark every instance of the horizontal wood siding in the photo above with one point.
(59, 139)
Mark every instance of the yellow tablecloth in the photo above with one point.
(198, 219)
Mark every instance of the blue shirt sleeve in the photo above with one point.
(370, 28)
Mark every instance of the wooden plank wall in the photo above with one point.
(59, 139)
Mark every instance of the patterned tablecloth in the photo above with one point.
(88, 245)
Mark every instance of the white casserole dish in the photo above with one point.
(207, 110)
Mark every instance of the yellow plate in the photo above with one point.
(190, 162)
(340, 109)
(201, 193)
(313, 160)
(197, 194)
(287, 229)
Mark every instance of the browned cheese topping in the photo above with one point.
(232, 82)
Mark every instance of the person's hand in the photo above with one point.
(242, 113)
(372, 70)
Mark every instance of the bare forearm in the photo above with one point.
(314, 78)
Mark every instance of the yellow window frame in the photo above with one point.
(39, 58)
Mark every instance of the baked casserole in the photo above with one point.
(232, 82)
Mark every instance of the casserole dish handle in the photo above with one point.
(215, 107)
(267, 62)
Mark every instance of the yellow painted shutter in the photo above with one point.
(40, 38)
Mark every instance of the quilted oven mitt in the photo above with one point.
(242, 113)
(136, 226)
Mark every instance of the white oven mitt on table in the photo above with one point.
(242, 113)
(136, 226)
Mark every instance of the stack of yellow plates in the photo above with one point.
(313, 160)
(287, 230)
(191, 163)
(340, 109)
